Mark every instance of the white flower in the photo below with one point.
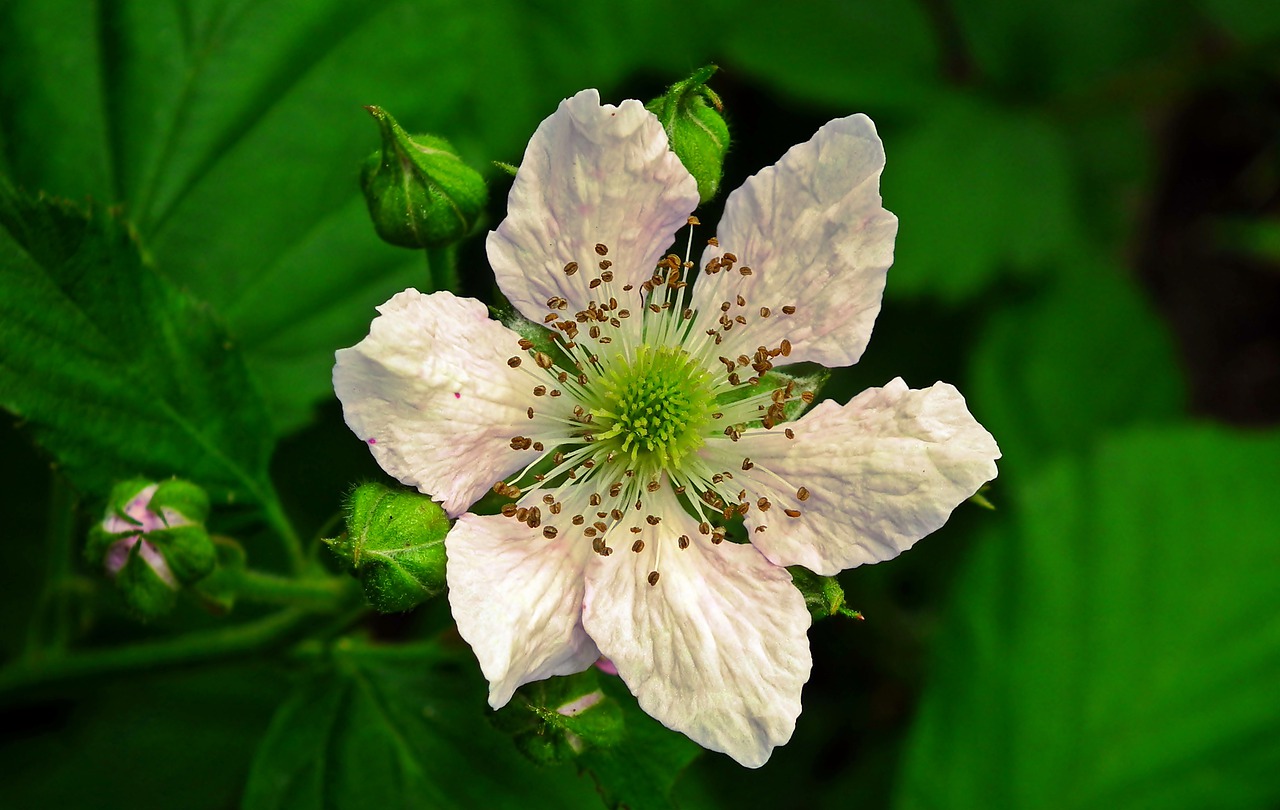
(620, 456)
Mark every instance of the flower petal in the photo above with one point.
(517, 598)
(880, 472)
(816, 237)
(591, 175)
(431, 393)
(716, 649)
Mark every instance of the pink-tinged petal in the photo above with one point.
(429, 390)
(591, 175)
(716, 648)
(815, 236)
(517, 599)
(880, 473)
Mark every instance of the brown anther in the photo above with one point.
(582, 379)
(680, 489)
(802, 494)
(595, 282)
(601, 250)
(521, 443)
(539, 390)
(601, 526)
(543, 360)
(509, 510)
(522, 514)
(653, 520)
(704, 528)
(578, 520)
(790, 434)
(525, 343)
(713, 242)
(615, 490)
(529, 412)
(746, 464)
(744, 270)
(535, 518)
(761, 528)
(549, 532)
(605, 264)
(792, 513)
(549, 317)
(538, 446)
(789, 310)
(652, 486)
(684, 541)
(763, 504)
(555, 508)
(740, 319)
(570, 268)
(594, 500)
(637, 546)
(742, 302)
(785, 346)
(653, 577)
(734, 379)
(765, 312)
(555, 392)
(807, 396)
(590, 531)
(514, 362)
(655, 308)
(635, 530)
(725, 306)
(693, 221)
(729, 257)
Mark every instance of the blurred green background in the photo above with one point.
(1089, 197)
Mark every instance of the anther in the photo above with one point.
(637, 546)
(789, 310)
(514, 362)
(764, 312)
(543, 360)
(570, 268)
(549, 532)
(744, 270)
(653, 577)
(539, 390)
(746, 465)
(684, 541)
(792, 513)
(525, 343)
(601, 250)
(802, 494)
(653, 520)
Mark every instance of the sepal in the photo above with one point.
(690, 112)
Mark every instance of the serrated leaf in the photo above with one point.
(233, 134)
(115, 371)
(1117, 644)
(396, 727)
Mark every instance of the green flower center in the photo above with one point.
(655, 407)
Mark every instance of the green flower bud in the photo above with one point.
(823, 596)
(420, 193)
(394, 544)
(690, 112)
(152, 542)
(557, 719)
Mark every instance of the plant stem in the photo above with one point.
(225, 642)
(316, 591)
(274, 513)
(50, 626)
(442, 267)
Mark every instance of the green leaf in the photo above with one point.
(641, 771)
(118, 373)
(982, 193)
(848, 55)
(1086, 356)
(1117, 643)
(396, 727)
(233, 134)
(146, 742)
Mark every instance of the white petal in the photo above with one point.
(717, 649)
(430, 392)
(816, 237)
(517, 599)
(591, 175)
(882, 472)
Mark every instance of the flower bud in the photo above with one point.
(823, 596)
(394, 544)
(690, 112)
(152, 542)
(420, 193)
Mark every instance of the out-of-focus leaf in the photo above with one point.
(981, 193)
(1117, 644)
(860, 56)
(233, 134)
(397, 727)
(1067, 46)
(161, 741)
(116, 372)
(1088, 355)
(1252, 22)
